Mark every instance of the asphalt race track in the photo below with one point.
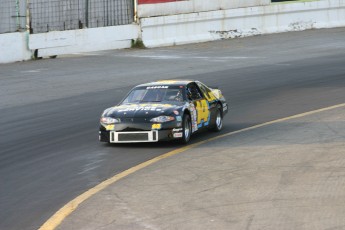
(49, 149)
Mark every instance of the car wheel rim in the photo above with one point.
(219, 121)
(186, 129)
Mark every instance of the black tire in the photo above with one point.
(186, 129)
(218, 123)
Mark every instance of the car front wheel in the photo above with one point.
(219, 120)
(187, 129)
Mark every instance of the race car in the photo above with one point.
(163, 110)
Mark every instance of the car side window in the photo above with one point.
(203, 89)
(206, 91)
(193, 92)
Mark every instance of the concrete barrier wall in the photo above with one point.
(21, 46)
(194, 6)
(84, 40)
(241, 22)
(13, 47)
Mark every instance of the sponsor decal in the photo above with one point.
(202, 108)
(110, 127)
(178, 118)
(177, 130)
(143, 105)
(176, 112)
(147, 108)
(140, 107)
(156, 126)
(158, 87)
(177, 135)
(194, 117)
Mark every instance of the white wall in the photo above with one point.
(221, 24)
(21, 46)
(84, 40)
(13, 47)
(193, 6)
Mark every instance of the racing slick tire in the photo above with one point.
(186, 129)
(219, 120)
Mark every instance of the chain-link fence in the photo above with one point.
(49, 15)
(12, 15)
(55, 15)
(110, 13)
(59, 15)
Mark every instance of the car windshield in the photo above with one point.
(155, 94)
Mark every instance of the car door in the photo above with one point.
(200, 103)
(211, 100)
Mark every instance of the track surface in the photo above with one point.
(50, 108)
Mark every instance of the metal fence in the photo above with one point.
(12, 15)
(59, 15)
(109, 13)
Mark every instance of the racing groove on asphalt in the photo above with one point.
(50, 153)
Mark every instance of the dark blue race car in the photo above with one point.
(163, 110)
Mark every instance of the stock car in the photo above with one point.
(163, 110)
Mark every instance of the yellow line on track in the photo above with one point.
(66, 210)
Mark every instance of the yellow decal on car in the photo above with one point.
(210, 96)
(156, 126)
(110, 127)
(202, 110)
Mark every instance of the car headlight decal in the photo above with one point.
(162, 119)
(109, 120)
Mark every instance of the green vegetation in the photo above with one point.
(138, 44)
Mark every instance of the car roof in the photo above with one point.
(167, 82)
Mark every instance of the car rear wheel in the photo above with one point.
(187, 129)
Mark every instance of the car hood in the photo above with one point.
(143, 110)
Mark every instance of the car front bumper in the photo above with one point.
(140, 132)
